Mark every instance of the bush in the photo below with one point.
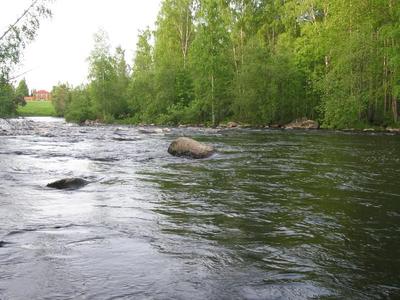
(79, 109)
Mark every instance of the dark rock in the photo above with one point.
(188, 147)
(302, 123)
(68, 184)
(3, 243)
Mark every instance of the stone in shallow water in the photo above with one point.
(188, 147)
(68, 184)
(302, 123)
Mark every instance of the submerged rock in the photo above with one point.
(188, 147)
(3, 243)
(303, 123)
(68, 184)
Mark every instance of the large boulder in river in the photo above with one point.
(188, 147)
(302, 123)
(68, 184)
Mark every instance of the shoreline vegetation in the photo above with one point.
(234, 125)
(261, 63)
(255, 62)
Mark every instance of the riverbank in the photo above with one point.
(310, 125)
(25, 123)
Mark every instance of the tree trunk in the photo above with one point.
(394, 98)
(385, 78)
(212, 101)
(241, 45)
(394, 109)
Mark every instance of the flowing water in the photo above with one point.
(272, 215)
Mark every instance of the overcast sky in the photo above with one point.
(64, 42)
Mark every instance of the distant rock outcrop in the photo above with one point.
(188, 147)
(68, 184)
(302, 123)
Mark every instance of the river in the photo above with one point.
(272, 215)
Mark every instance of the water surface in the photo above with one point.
(272, 215)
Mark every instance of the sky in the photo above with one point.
(64, 42)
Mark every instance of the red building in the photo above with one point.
(41, 95)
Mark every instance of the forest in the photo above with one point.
(257, 62)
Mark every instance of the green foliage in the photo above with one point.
(212, 63)
(60, 98)
(80, 107)
(141, 88)
(19, 34)
(109, 79)
(269, 88)
(257, 62)
(22, 89)
(75, 104)
(12, 41)
(7, 105)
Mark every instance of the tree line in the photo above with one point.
(253, 61)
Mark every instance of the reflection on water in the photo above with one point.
(272, 215)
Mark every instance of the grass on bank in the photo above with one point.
(37, 109)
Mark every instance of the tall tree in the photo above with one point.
(7, 106)
(141, 87)
(61, 98)
(108, 79)
(121, 83)
(22, 89)
(173, 39)
(212, 61)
